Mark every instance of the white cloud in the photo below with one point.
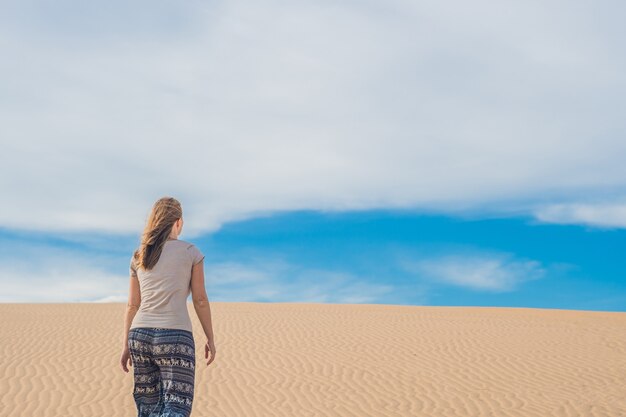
(64, 280)
(112, 299)
(35, 270)
(606, 215)
(488, 272)
(244, 108)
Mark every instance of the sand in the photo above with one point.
(292, 359)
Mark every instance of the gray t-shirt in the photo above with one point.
(165, 288)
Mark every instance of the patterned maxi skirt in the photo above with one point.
(164, 371)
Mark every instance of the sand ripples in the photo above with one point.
(330, 360)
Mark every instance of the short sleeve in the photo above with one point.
(133, 268)
(196, 254)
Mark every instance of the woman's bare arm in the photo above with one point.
(134, 301)
(201, 300)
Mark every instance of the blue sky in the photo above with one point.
(412, 258)
(381, 152)
(373, 256)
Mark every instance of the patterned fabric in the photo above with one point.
(164, 371)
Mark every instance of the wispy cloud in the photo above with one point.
(487, 272)
(48, 269)
(61, 275)
(66, 280)
(278, 281)
(603, 214)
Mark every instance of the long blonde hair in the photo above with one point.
(162, 217)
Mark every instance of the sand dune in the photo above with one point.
(292, 359)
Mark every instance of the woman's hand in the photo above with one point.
(209, 347)
(125, 358)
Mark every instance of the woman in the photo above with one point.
(158, 339)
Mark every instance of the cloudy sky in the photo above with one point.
(401, 152)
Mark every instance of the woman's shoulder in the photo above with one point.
(185, 243)
(194, 251)
(190, 246)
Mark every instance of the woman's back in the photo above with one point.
(165, 288)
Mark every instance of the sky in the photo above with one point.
(396, 152)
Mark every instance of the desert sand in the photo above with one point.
(297, 359)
